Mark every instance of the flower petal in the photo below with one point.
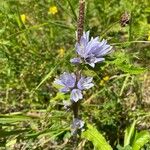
(59, 82)
(75, 60)
(68, 79)
(76, 95)
(97, 60)
(85, 83)
(65, 90)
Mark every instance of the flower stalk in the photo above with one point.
(89, 51)
(80, 28)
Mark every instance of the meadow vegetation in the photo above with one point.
(37, 41)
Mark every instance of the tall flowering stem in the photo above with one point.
(89, 51)
(80, 26)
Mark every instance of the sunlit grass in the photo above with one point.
(37, 40)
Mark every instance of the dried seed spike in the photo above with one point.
(125, 18)
(81, 19)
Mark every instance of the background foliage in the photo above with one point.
(35, 47)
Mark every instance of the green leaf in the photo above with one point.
(72, 9)
(96, 138)
(131, 69)
(129, 134)
(89, 73)
(46, 77)
(5, 119)
(141, 139)
(122, 62)
(59, 96)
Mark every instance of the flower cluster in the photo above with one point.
(69, 83)
(91, 51)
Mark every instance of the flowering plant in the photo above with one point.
(89, 51)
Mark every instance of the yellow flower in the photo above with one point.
(23, 18)
(53, 10)
(106, 78)
(61, 52)
(102, 82)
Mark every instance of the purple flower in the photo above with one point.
(75, 60)
(76, 94)
(85, 83)
(69, 83)
(91, 51)
(77, 124)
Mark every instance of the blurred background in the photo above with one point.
(37, 40)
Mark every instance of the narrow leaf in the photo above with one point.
(5, 119)
(141, 139)
(129, 133)
(72, 9)
(46, 77)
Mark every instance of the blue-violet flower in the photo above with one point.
(77, 124)
(91, 51)
(69, 83)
